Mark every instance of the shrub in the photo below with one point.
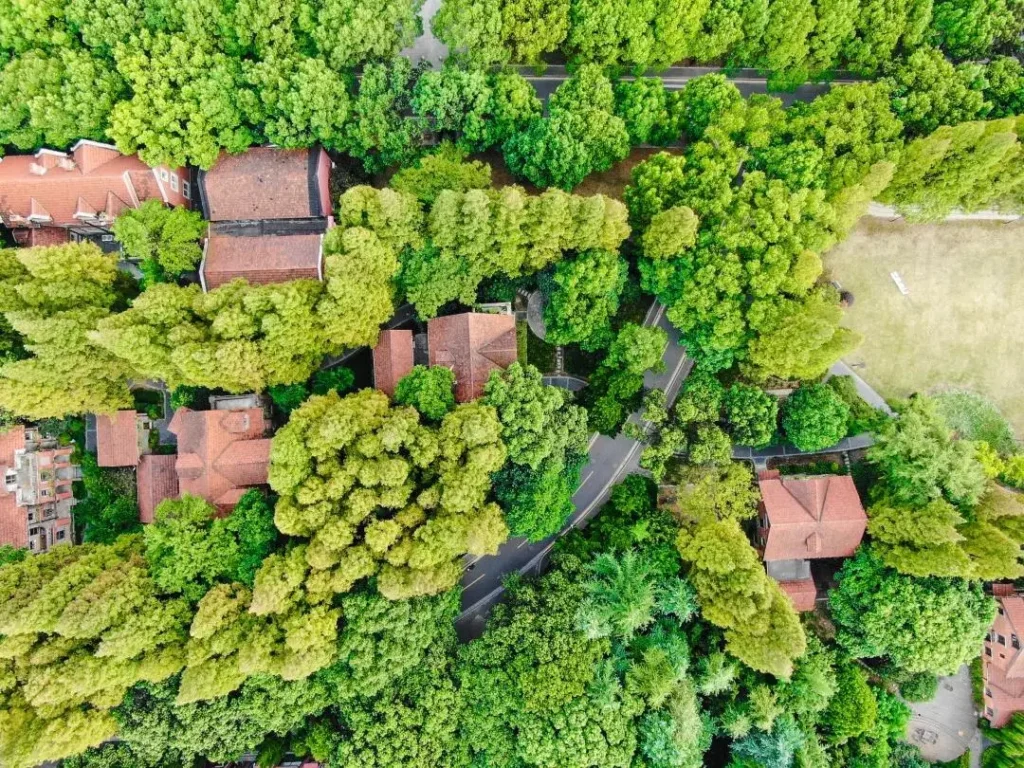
(919, 687)
(752, 414)
(428, 390)
(288, 397)
(338, 379)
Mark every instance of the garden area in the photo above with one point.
(957, 327)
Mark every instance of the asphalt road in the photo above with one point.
(611, 459)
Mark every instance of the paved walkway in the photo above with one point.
(611, 459)
(882, 211)
(865, 390)
(947, 726)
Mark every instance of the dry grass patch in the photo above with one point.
(960, 325)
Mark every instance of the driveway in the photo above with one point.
(947, 726)
(611, 459)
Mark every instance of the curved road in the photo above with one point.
(611, 459)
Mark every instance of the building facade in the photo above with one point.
(1002, 658)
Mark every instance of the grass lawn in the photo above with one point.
(959, 326)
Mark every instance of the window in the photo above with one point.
(988, 651)
(988, 692)
(1001, 611)
(186, 190)
(61, 535)
(1015, 642)
(989, 711)
(31, 544)
(106, 238)
(33, 531)
(174, 182)
(164, 175)
(1000, 639)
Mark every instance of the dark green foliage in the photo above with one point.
(108, 509)
(863, 417)
(429, 390)
(1009, 748)
(337, 379)
(919, 687)
(615, 387)
(774, 749)
(288, 397)
(111, 755)
(703, 101)
(928, 91)
(537, 502)
(1005, 88)
(969, 29)
(652, 114)
(852, 709)
(9, 554)
(972, 417)
(184, 396)
(752, 415)
(379, 134)
(815, 417)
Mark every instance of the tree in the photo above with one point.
(420, 499)
(348, 33)
(752, 415)
(970, 29)
(928, 91)
(472, 31)
(658, 183)
(774, 749)
(852, 709)
(531, 28)
(650, 113)
(169, 236)
(444, 168)
(581, 134)
(53, 297)
(618, 380)
(585, 298)
(537, 502)
(109, 508)
(921, 541)
(815, 417)
(538, 422)
(762, 630)
(724, 492)
(670, 233)
(919, 461)
(288, 397)
(1005, 88)
(969, 167)
(704, 100)
(379, 134)
(429, 390)
(337, 379)
(920, 625)
(882, 29)
(1009, 747)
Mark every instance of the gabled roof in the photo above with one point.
(472, 344)
(267, 183)
(261, 260)
(392, 359)
(13, 520)
(220, 452)
(155, 481)
(117, 440)
(51, 187)
(801, 593)
(811, 517)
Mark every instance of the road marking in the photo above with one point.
(523, 543)
(474, 581)
(592, 441)
(472, 562)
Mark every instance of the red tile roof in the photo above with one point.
(472, 344)
(801, 593)
(267, 183)
(261, 260)
(156, 481)
(392, 359)
(812, 517)
(1003, 667)
(92, 178)
(220, 452)
(117, 440)
(13, 520)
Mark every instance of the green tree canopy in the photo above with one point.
(429, 390)
(168, 236)
(815, 417)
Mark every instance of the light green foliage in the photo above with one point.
(53, 297)
(928, 91)
(538, 422)
(920, 625)
(972, 417)
(752, 415)
(919, 461)
(376, 492)
(512, 31)
(724, 492)
(922, 541)
(773, 749)
(703, 102)
(481, 233)
(169, 236)
(585, 298)
(581, 134)
(761, 627)
(621, 596)
(658, 184)
(81, 625)
(348, 33)
(670, 233)
(429, 390)
(883, 27)
(970, 167)
(969, 29)
(444, 168)
(815, 417)
(852, 709)
(863, 416)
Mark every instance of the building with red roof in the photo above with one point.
(221, 454)
(36, 497)
(121, 439)
(52, 197)
(472, 345)
(1003, 659)
(392, 359)
(156, 480)
(268, 210)
(803, 519)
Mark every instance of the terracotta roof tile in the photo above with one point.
(801, 593)
(13, 520)
(261, 260)
(117, 440)
(812, 517)
(156, 481)
(220, 451)
(265, 183)
(472, 344)
(61, 191)
(392, 359)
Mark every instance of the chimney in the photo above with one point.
(66, 163)
(37, 169)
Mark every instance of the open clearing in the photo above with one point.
(960, 325)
